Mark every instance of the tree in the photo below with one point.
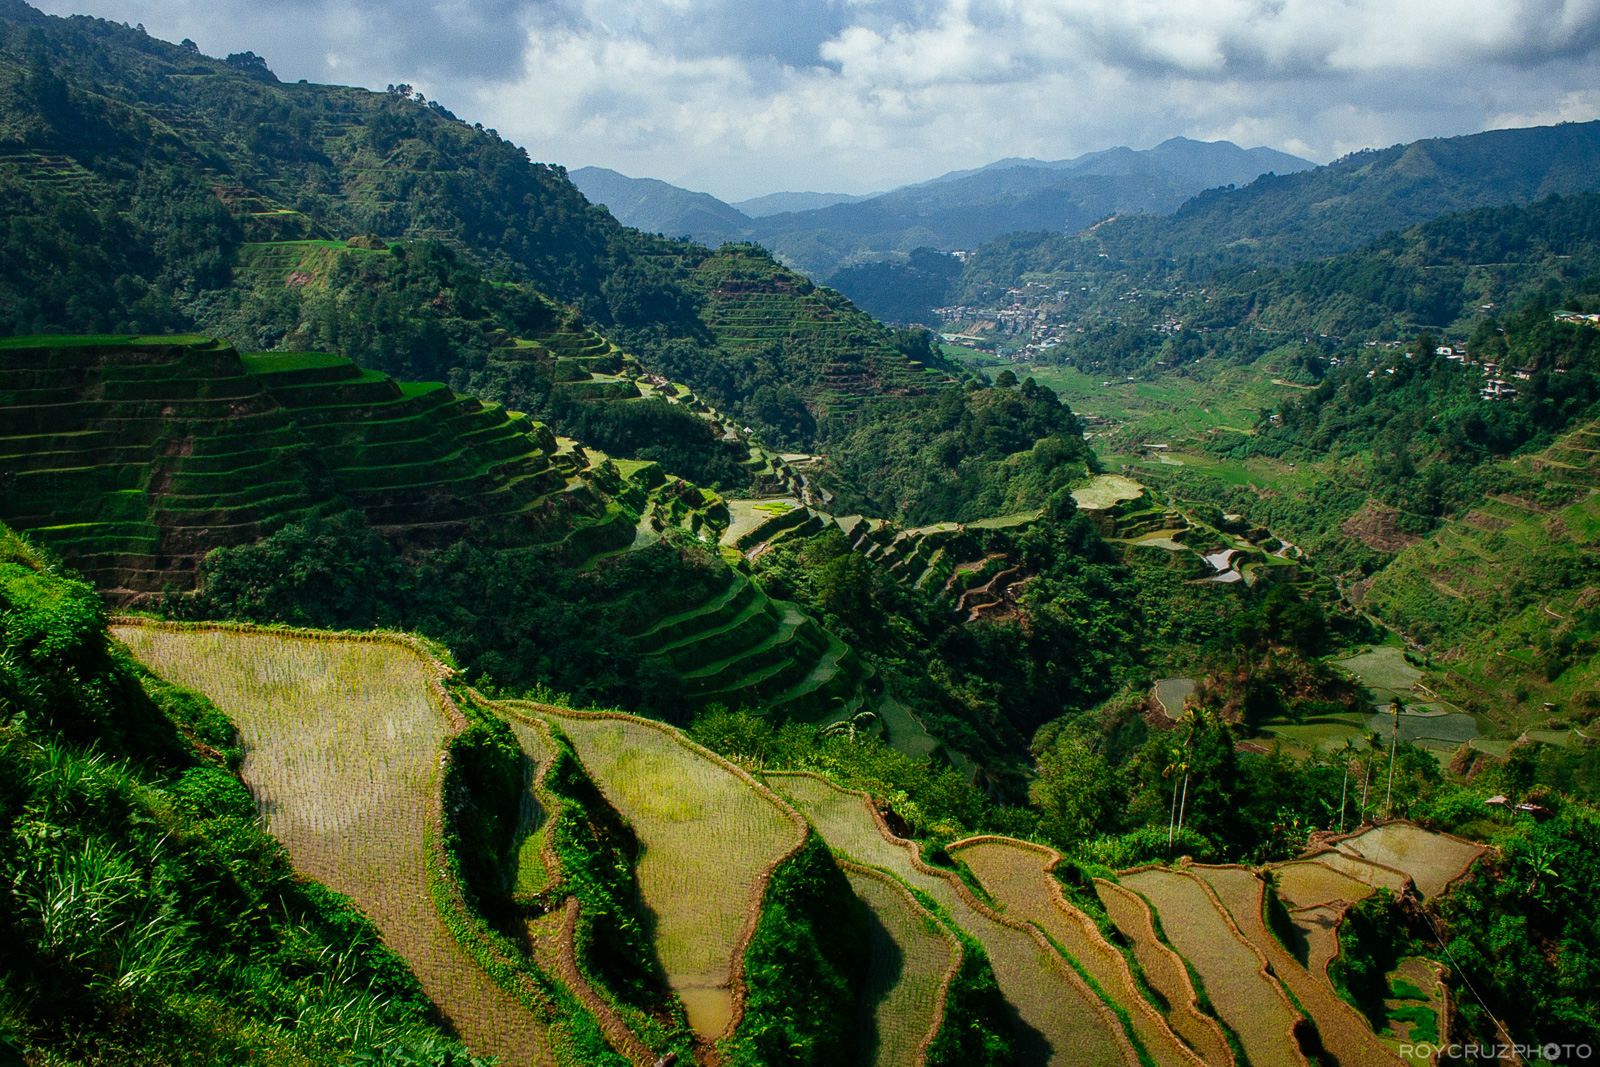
(1347, 751)
(1193, 721)
(1178, 766)
(1374, 747)
(1394, 747)
(1076, 792)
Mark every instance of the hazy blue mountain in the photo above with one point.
(1283, 219)
(1209, 163)
(819, 232)
(963, 209)
(777, 203)
(658, 207)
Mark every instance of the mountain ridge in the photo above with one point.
(953, 210)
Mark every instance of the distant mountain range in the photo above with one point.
(777, 203)
(1275, 221)
(1283, 219)
(819, 232)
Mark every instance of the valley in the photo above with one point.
(442, 624)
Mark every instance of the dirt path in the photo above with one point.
(343, 741)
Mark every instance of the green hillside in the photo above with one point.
(665, 659)
(135, 457)
(1049, 945)
(1500, 597)
(300, 217)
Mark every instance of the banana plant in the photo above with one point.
(860, 721)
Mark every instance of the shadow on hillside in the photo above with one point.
(883, 973)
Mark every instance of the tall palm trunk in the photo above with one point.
(1184, 806)
(1388, 801)
(1365, 778)
(1172, 818)
(1343, 792)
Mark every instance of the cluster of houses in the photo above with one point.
(1577, 317)
(1495, 387)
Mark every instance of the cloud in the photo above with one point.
(854, 95)
(440, 40)
(1580, 106)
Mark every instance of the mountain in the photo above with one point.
(963, 209)
(777, 203)
(817, 232)
(656, 207)
(146, 187)
(1209, 163)
(1281, 219)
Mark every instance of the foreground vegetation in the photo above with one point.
(150, 918)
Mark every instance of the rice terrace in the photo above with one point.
(463, 605)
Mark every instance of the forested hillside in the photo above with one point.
(151, 188)
(667, 662)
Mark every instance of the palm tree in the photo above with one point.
(859, 721)
(1394, 749)
(1374, 747)
(1194, 721)
(1347, 750)
(1173, 769)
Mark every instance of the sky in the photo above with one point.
(745, 98)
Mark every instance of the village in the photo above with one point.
(1039, 319)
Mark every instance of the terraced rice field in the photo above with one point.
(1414, 1010)
(1250, 1002)
(1060, 1022)
(342, 743)
(1106, 491)
(906, 734)
(1307, 883)
(1385, 672)
(912, 955)
(1164, 970)
(1344, 1033)
(1363, 871)
(1432, 860)
(745, 515)
(1014, 875)
(1324, 733)
(1320, 926)
(709, 839)
(532, 876)
(1448, 731)
(1172, 692)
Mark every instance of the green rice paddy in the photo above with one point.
(343, 741)
(1060, 1021)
